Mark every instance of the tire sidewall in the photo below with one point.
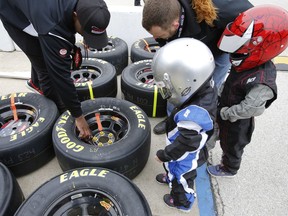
(94, 178)
(138, 51)
(117, 56)
(11, 194)
(72, 152)
(105, 85)
(36, 138)
(139, 93)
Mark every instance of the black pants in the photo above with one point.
(31, 47)
(180, 196)
(234, 136)
(178, 193)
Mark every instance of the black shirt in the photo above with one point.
(53, 21)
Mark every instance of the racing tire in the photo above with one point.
(95, 78)
(144, 49)
(121, 137)
(11, 195)
(86, 191)
(26, 144)
(116, 53)
(137, 86)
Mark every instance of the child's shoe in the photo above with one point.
(170, 203)
(218, 171)
(162, 178)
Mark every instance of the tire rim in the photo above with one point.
(153, 48)
(114, 127)
(109, 47)
(86, 74)
(85, 202)
(26, 116)
(145, 76)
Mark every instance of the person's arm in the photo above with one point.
(252, 105)
(192, 124)
(56, 53)
(187, 141)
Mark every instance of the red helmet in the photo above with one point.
(256, 36)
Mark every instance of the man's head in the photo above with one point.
(93, 17)
(161, 17)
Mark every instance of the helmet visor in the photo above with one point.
(229, 42)
(165, 87)
(164, 91)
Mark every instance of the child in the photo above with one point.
(253, 39)
(183, 72)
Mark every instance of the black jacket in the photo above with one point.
(52, 20)
(238, 84)
(228, 10)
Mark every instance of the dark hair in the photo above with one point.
(160, 13)
(163, 12)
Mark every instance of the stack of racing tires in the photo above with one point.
(90, 184)
(11, 195)
(97, 75)
(137, 81)
(116, 53)
(26, 123)
(97, 173)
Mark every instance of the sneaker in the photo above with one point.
(162, 178)
(30, 85)
(170, 203)
(218, 171)
(160, 128)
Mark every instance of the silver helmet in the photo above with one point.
(181, 67)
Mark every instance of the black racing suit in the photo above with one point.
(236, 134)
(49, 48)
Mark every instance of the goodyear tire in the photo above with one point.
(144, 49)
(95, 78)
(26, 144)
(116, 53)
(121, 142)
(11, 195)
(137, 86)
(87, 191)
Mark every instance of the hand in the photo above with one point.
(83, 127)
(157, 159)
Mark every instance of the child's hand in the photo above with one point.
(157, 159)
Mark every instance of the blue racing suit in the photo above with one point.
(188, 129)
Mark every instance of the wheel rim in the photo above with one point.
(86, 74)
(109, 47)
(85, 202)
(110, 127)
(152, 47)
(145, 76)
(26, 114)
